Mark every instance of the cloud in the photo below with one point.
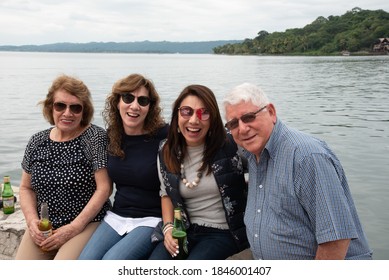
(50, 21)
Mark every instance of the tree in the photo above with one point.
(262, 35)
(356, 30)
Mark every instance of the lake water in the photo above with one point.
(343, 100)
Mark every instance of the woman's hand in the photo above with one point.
(35, 233)
(171, 244)
(60, 236)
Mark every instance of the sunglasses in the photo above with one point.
(74, 108)
(202, 114)
(128, 98)
(246, 118)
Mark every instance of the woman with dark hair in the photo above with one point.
(201, 172)
(135, 127)
(66, 167)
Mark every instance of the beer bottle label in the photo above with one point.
(47, 233)
(8, 202)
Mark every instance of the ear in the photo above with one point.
(272, 111)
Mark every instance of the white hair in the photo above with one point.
(246, 92)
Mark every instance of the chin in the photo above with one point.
(251, 148)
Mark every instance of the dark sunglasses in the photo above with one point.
(74, 108)
(246, 118)
(202, 114)
(128, 98)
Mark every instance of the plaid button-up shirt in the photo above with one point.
(299, 198)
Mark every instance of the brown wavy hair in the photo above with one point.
(175, 148)
(111, 114)
(74, 87)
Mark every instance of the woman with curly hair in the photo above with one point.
(135, 127)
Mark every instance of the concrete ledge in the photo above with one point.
(244, 255)
(12, 228)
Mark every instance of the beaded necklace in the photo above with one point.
(188, 184)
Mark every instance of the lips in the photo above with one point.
(248, 138)
(67, 121)
(193, 130)
(132, 115)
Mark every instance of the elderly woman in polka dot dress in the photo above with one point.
(65, 166)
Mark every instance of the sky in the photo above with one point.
(39, 22)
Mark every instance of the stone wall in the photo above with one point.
(12, 228)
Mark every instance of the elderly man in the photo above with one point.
(299, 201)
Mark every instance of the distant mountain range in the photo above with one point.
(125, 47)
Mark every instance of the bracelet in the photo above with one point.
(165, 230)
(166, 224)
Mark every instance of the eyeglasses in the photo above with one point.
(128, 98)
(246, 118)
(74, 108)
(202, 114)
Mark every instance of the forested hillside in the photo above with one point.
(355, 31)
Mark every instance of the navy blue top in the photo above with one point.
(136, 176)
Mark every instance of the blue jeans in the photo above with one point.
(107, 244)
(204, 243)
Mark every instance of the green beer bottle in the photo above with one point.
(178, 223)
(179, 233)
(7, 196)
(45, 224)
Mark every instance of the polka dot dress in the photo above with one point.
(62, 173)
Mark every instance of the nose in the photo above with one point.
(194, 118)
(67, 111)
(242, 127)
(134, 104)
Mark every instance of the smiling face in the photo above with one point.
(133, 115)
(254, 135)
(192, 128)
(66, 121)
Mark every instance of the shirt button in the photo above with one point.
(260, 186)
(256, 235)
(259, 210)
